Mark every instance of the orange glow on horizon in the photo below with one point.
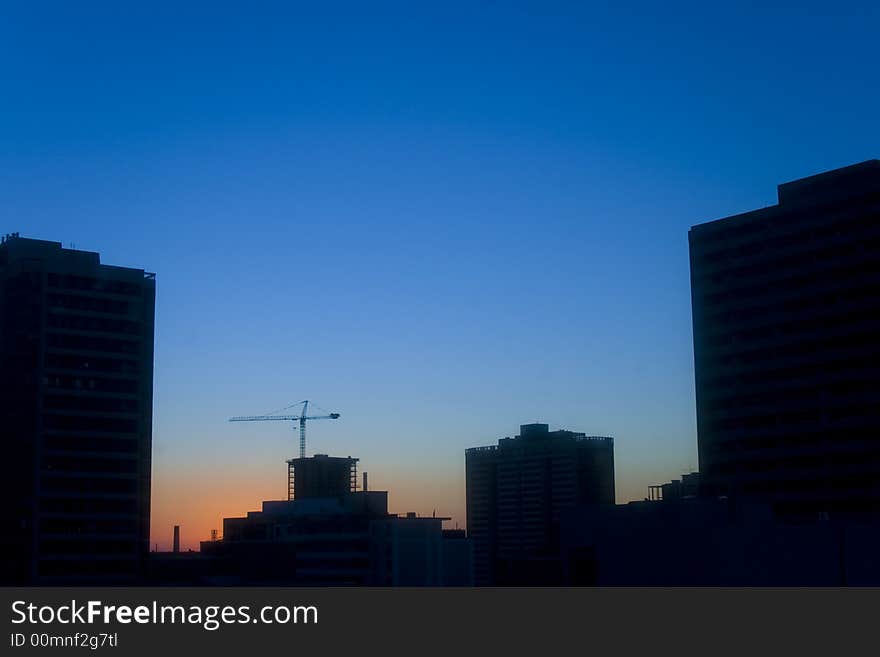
(198, 501)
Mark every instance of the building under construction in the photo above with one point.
(321, 476)
(330, 533)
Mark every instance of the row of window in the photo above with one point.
(74, 505)
(98, 324)
(88, 404)
(756, 293)
(765, 421)
(817, 439)
(812, 315)
(828, 347)
(827, 392)
(870, 480)
(55, 484)
(801, 462)
(89, 525)
(91, 343)
(820, 369)
(779, 230)
(90, 465)
(76, 362)
(70, 382)
(64, 443)
(57, 422)
(71, 282)
(863, 411)
(776, 262)
(92, 304)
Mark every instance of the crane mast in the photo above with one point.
(301, 419)
(302, 430)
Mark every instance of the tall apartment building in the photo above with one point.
(786, 318)
(516, 491)
(76, 384)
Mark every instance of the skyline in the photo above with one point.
(505, 216)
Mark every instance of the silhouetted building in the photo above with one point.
(516, 492)
(188, 568)
(348, 539)
(458, 558)
(322, 476)
(76, 386)
(688, 487)
(690, 541)
(786, 318)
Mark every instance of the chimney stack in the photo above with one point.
(176, 547)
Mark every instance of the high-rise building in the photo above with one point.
(516, 491)
(786, 318)
(76, 390)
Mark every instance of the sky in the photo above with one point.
(441, 220)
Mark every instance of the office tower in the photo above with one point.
(516, 491)
(76, 381)
(786, 317)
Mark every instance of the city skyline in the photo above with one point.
(439, 247)
(77, 340)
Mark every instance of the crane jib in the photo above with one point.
(288, 418)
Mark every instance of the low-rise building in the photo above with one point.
(693, 541)
(349, 539)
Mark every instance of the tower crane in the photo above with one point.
(301, 418)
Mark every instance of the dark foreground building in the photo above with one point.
(76, 383)
(516, 491)
(786, 317)
(699, 541)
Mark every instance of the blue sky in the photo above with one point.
(440, 219)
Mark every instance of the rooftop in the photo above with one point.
(827, 187)
(540, 433)
(26, 247)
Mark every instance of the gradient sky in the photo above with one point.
(440, 219)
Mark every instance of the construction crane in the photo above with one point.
(301, 418)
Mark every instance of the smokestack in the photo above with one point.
(365, 482)
(176, 547)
